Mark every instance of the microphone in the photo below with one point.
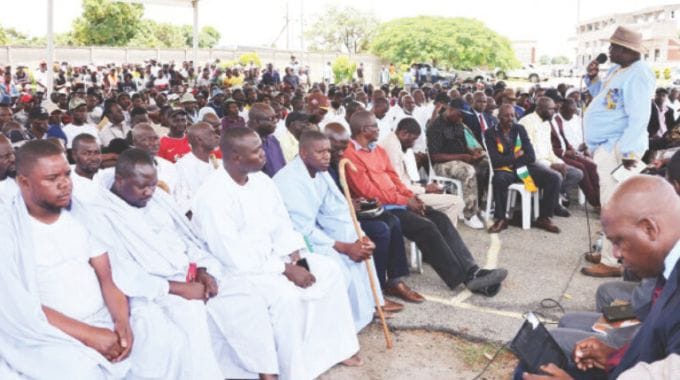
(601, 58)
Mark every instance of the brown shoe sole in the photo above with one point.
(612, 273)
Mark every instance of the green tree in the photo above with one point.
(458, 42)
(245, 59)
(342, 29)
(343, 69)
(208, 36)
(109, 23)
(544, 60)
(560, 60)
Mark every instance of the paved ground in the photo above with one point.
(541, 265)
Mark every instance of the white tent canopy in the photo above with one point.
(174, 3)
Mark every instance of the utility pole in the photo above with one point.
(302, 26)
(287, 25)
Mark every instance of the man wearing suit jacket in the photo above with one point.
(640, 220)
(562, 147)
(478, 120)
(661, 122)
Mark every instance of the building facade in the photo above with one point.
(659, 26)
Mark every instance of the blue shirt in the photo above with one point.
(671, 260)
(620, 111)
(272, 150)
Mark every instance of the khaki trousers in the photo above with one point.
(606, 162)
(449, 204)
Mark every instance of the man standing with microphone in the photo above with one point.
(616, 124)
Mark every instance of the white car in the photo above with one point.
(529, 72)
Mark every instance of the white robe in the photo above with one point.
(28, 338)
(320, 213)
(191, 173)
(167, 173)
(8, 190)
(247, 228)
(160, 241)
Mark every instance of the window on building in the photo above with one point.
(672, 14)
(657, 54)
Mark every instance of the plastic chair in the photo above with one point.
(527, 198)
(416, 258)
(513, 190)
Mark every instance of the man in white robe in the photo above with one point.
(320, 213)
(194, 167)
(86, 174)
(241, 216)
(147, 228)
(8, 186)
(69, 316)
(145, 137)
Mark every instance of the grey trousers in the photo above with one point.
(576, 326)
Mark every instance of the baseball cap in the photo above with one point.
(38, 113)
(75, 103)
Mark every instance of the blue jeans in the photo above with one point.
(389, 254)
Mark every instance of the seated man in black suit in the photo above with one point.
(661, 123)
(640, 220)
(512, 156)
(478, 120)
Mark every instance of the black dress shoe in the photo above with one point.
(561, 211)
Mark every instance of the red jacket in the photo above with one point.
(375, 177)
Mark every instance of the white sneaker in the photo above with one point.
(474, 223)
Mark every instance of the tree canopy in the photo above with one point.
(458, 42)
(104, 22)
(342, 29)
(108, 23)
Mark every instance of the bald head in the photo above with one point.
(202, 136)
(360, 120)
(213, 120)
(644, 195)
(145, 137)
(641, 220)
(335, 129)
(545, 107)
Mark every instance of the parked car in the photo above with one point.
(532, 73)
(476, 75)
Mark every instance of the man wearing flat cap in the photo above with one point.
(616, 123)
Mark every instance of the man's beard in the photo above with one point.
(11, 173)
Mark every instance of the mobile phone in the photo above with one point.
(303, 263)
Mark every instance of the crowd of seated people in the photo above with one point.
(179, 221)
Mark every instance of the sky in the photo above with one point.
(261, 22)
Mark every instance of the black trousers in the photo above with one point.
(440, 244)
(546, 179)
(389, 254)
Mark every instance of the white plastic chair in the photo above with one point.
(527, 198)
(416, 257)
(514, 189)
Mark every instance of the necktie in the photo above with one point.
(482, 124)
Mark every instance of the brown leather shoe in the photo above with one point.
(592, 257)
(602, 270)
(498, 226)
(392, 307)
(402, 291)
(547, 225)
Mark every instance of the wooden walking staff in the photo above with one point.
(343, 181)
